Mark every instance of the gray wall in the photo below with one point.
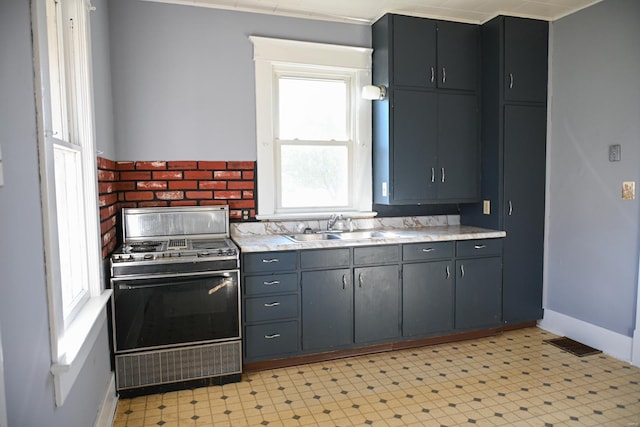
(183, 77)
(23, 302)
(593, 235)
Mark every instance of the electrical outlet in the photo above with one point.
(245, 214)
(486, 207)
(628, 190)
(614, 153)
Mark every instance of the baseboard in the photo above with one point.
(108, 408)
(611, 343)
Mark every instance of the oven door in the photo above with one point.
(173, 310)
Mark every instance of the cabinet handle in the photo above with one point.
(510, 80)
(461, 271)
(273, 282)
(269, 261)
(444, 75)
(360, 280)
(442, 170)
(272, 304)
(433, 174)
(272, 336)
(448, 272)
(427, 249)
(480, 246)
(510, 208)
(433, 74)
(344, 281)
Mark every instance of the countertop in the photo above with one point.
(278, 242)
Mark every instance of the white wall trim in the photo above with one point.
(109, 404)
(3, 400)
(611, 343)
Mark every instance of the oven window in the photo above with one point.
(162, 312)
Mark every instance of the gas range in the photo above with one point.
(174, 240)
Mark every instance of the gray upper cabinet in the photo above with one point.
(426, 133)
(433, 54)
(525, 59)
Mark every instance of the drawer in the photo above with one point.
(427, 250)
(376, 255)
(479, 248)
(271, 339)
(269, 261)
(271, 308)
(325, 258)
(269, 284)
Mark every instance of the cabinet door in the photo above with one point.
(458, 172)
(525, 59)
(327, 309)
(427, 298)
(458, 55)
(377, 303)
(524, 191)
(414, 51)
(414, 146)
(478, 293)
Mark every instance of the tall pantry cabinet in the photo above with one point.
(514, 92)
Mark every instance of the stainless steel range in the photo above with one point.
(176, 299)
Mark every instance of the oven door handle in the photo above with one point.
(226, 282)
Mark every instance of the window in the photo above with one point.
(68, 182)
(313, 128)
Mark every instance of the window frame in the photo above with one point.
(65, 121)
(275, 57)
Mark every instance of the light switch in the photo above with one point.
(384, 189)
(628, 190)
(486, 207)
(614, 153)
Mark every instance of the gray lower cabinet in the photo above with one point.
(478, 270)
(427, 298)
(270, 305)
(377, 303)
(327, 309)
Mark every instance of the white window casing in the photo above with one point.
(64, 100)
(275, 58)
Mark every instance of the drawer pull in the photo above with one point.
(480, 246)
(428, 250)
(272, 336)
(272, 304)
(269, 261)
(273, 282)
(433, 75)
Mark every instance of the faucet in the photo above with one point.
(332, 221)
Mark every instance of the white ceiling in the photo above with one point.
(368, 11)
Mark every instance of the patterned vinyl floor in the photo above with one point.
(512, 379)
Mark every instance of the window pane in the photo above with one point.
(312, 109)
(71, 230)
(314, 176)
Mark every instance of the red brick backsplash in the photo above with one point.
(108, 189)
(172, 183)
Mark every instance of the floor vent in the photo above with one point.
(181, 364)
(573, 347)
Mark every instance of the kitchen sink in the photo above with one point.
(346, 235)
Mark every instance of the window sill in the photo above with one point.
(75, 347)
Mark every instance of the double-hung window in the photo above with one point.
(68, 180)
(313, 129)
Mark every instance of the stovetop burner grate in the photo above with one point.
(177, 244)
